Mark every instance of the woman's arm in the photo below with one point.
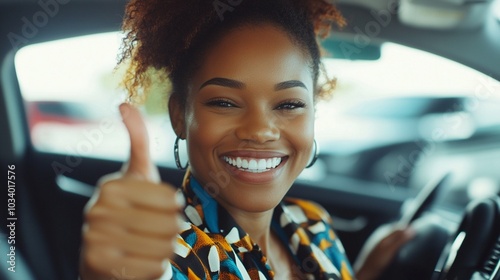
(379, 250)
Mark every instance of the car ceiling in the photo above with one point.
(478, 48)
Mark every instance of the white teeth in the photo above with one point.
(261, 164)
(254, 165)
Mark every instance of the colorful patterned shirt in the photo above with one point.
(212, 246)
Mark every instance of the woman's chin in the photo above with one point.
(253, 198)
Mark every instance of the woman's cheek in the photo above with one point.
(212, 126)
(301, 124)
(299, 132)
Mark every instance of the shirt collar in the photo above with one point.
(206, 213)
(214, 218)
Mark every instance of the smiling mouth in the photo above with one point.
(253, 165)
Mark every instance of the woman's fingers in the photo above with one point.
(137, 219)
(109, 263)
(136, 244)
(129, 191)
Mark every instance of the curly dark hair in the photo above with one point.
(171, 36)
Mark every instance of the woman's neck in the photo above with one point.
(257, 225)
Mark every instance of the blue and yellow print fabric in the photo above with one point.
(212, 246)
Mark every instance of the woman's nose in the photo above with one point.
(258, 126)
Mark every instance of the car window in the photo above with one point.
(496, 10)
(71, 92)
(71, 89)
(385, 112)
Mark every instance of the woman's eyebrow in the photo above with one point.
(224, 82)
(289, 84)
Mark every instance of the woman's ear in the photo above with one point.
(176, 112)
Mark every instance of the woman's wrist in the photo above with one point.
(366, 274)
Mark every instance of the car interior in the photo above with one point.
(425, 156)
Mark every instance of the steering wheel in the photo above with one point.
(463, 256)
(474, 250)
(417, 258)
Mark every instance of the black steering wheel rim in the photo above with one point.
(467, 252)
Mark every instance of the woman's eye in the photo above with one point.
(220, 103)
(291, 105)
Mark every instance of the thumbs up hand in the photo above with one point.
(131, 222)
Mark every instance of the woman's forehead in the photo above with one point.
(255, 54)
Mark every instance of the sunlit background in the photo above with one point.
(70, 86)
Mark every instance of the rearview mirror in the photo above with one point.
(349, 49)
(444, 14)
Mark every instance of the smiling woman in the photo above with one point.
(255, 118)
(399, 116)
(243, 97)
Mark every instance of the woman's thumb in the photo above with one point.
(139, 164)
